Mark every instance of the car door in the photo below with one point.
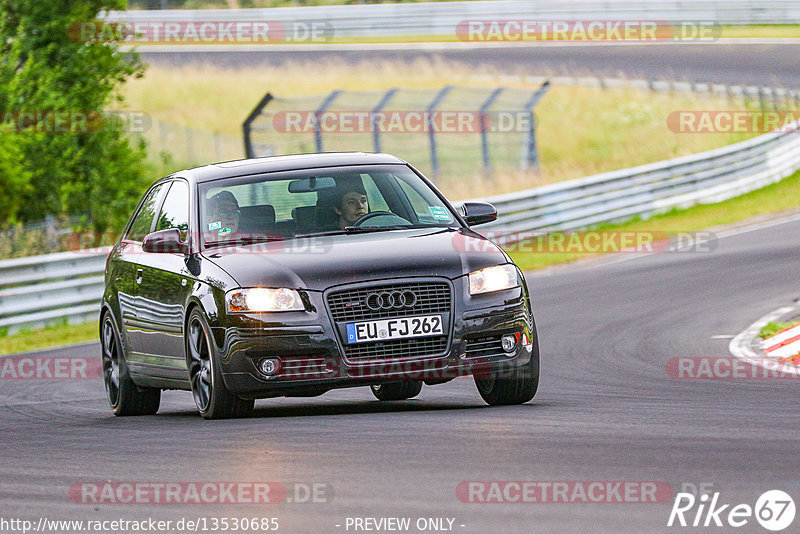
(127, 269)
(166, 281)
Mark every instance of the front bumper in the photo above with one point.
(311, 357)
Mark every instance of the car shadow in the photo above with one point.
(338, 408)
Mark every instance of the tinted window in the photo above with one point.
(144, 218)
(175, 210)
(287, 204)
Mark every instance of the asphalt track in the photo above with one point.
(606, 410)
(744, 64)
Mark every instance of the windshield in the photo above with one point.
(318, 202)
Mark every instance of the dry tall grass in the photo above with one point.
(580, 130)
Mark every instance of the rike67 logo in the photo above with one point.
(774, 510)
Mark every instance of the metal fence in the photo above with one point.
(190, 146)
(442, 18)
(456, 130)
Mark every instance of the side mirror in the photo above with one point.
(478, 212)
(164, 241)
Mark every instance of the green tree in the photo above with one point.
(96, 173)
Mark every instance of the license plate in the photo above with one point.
(400, 328)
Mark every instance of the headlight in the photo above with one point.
(493, 279)
(261, 299)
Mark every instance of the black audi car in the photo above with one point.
(295, 275)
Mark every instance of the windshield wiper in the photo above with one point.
(245, 240)
(367, 229)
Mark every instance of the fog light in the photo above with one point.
(269, 366)
(509, 342)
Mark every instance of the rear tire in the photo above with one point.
(125, 397)
(394, 391)
(212, 397)
(514, 386)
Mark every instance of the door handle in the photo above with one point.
(139, 273)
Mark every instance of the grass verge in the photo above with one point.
(51, 336)
(773, 328)
(774, 198)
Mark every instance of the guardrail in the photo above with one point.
(442, 18)
(707, 177)
(68, 285)
(38, 290)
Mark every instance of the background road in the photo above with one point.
(606, 410)
(743, 64)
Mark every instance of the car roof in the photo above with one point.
(244, 167)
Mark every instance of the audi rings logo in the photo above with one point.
(391, 300)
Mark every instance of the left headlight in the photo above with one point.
(493, 279)
(263, 299)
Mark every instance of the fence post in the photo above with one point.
(373, 119)
(248, 142)
(429, 123)
(50, 231)
(484, 140)
(324, 106)
(530, 154)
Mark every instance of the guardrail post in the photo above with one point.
(429, 121)
(373, 118)
(531, 156)
(248, 142)
(322, 108)
(484, 141)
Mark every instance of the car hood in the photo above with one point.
(320, 262)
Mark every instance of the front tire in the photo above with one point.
(394, 391)
(212, 397)
(514, 386)
(125, 397)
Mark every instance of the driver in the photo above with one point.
(222, 219)
(350, 204)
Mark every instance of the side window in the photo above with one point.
(374, 196)
(417, 202)
(175, 211)
(144, 218)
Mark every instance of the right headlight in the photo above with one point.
(263, 299)
(493, 279)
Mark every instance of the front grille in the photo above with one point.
(484, 347)
(396, 348)
(351, 304)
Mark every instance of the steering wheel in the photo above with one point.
(387, 218)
